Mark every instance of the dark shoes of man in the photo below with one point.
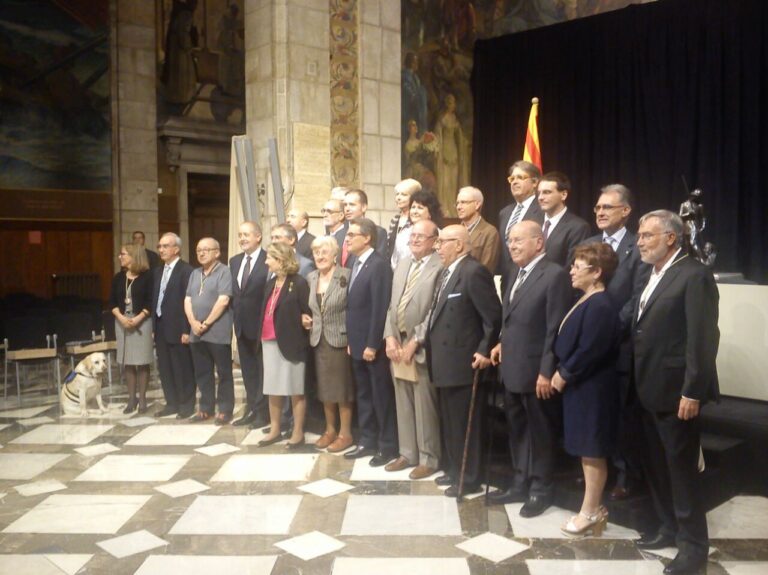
(444, 480)
(360, 451)
(653, 541)
(466, 489)
(684, 564)
(248, 417)
(382, 458)
(535, 505)
(166, 411)
(511, 495)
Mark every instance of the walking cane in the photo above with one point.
(475, 381)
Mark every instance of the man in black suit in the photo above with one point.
(249, 276)
(299, 221)
(523, 179)
(333, 220)
(463, 328)
(537, 298)
(355, 206)
(563, 230)
(675, 339)
(369, 291)
(174, 361)
(139, 240)
(612, 211)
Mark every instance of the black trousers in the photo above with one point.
(177, 376)
(205, 356)
(671, 465)
(532, 426)
(376, 404)
(454, 405)
(627, 459)
(252, 365)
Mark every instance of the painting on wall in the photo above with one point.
(437, 42)
(55, 131)
(201, 60)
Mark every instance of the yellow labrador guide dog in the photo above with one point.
(83, 385)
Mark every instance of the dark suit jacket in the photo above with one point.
(465, 321)
(174, 323)
(568, 233)
(505, 260)
(153, 259)
(676, 339)
(292, 338)
(304, 245)
(247, 304)
(530, 324)
(367, 304)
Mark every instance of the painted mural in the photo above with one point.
(437, 42)
(201, 60)
(55, 129)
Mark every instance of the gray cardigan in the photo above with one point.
(332, 321)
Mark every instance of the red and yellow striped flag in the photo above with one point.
(532, 150)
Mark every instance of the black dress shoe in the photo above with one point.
(652, 541)
(381, 458)
(266, 442)
(259, 422)
(511, 495)
(184, 413)
(247, 418)
(536, 505)
(167, 410)
(467, 489)
(444, 479)
(684, 564)
(360, 451)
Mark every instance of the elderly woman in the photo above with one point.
(586, 349)
(328, 337)
(284, 342)
(400, 225)
(130, 301)
(425, 206)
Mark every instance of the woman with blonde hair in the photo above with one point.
(284, 342)
(130, 301)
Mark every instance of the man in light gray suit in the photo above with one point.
(413, 287)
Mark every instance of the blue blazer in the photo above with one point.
(367, 303)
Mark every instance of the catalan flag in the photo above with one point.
(532, 150)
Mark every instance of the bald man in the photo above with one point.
(463, 327)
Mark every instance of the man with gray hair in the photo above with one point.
(483, 237)
(285, 234)
(675, 339)
(299, 221)
(171, 328)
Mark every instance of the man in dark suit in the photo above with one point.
(174, 361)
(463, 328)
(675, 339)
(355, 206)
(284, 233)
(370, 287)
(249, 276)
(333, 220)
(152, 257)
(563, 230)
(523, 179)
(612, 211)
(299, 221)
(537, 298)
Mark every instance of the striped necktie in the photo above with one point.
(410, 286)
(514, 219)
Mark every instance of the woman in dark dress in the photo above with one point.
(586, 349)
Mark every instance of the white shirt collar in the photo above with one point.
(526, 203)
(533, 262)
(617, 237)
(553, 221)
(173, 263)
(362, 258)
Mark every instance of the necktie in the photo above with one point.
(355, 271)
(513, 220)
(246, 273)
(163, 285)
(547, 225)
(610, 241)
(344, 253)
(518, 283)
(410, 286)
(443, 281)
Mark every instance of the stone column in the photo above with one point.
(134, 117)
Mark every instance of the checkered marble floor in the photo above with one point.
(158, 496)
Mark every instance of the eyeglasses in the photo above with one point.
(645, 236)
(606, 207)
(579, 268)
(353, 234)
(439, 243)
(165, 245)
(205, 250)
(325, 211)
(420, 237)
(518, 177)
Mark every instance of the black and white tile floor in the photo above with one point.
(122, 495)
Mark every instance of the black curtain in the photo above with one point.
(640, 96)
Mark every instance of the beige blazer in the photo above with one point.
(332, 320)
(417, 310)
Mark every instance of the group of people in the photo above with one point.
(595, 338)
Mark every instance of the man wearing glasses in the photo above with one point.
(210, 317)
(333, 220)
(523, 179)
(612, 211)
(483, 237)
